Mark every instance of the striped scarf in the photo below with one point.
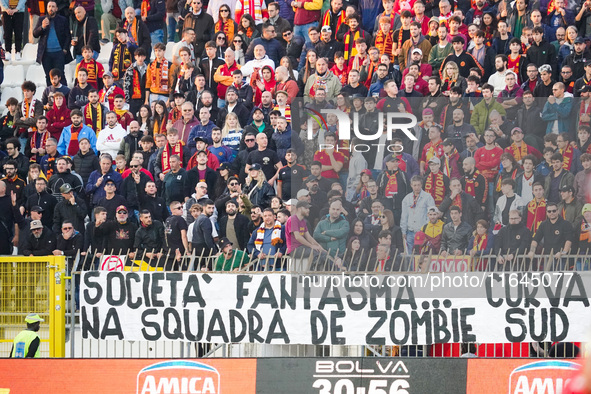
(275, 236)
(384, 43)
(327, 19)
(536, 214)
(226, 27)
(350, 47)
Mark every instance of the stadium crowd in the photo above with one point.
(209, 151)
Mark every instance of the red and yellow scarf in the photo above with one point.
(435, 186)
(446, 160)
(480, 242)
(166, 154)
(350, 47)
(327, 19)
(95, 123)
(513, 174)
(384, 43)
(518, 152)
(536, 214)
(122, 59)
(471, 184)
(392, 185)
(158, 76)
(136, 85)
(227, 28)
(41, 144)
(145, 7)
(567, 157)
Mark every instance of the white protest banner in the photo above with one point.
(336, 309)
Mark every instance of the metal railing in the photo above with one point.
(76, 346)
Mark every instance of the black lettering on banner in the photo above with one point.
(255, 325)
(369, 338)
(530, 293)
(150, 324)
(93, 328)
(375, 292)
(362, 294)
(532, 324)
(241, 292)
(90, 284)
(156, 288)
(172, 318)
(128, 277)
(405, 296)
(466, 328)
(404, 317)
(441, 333)
(326, 298)
(576, 283)
(173, 278)
(192, 292)
(200, 323)
(318, 320)
(265, 295)
(216, 327)
(417, 320)
(513, 316)
(455, 325)
(117, 277)
(307, 291)
(335, 327)
(510, 302)
(235, 317)
(554, 297)
(112, 317)
(277, 329)
(286, 297)
(554, 313)
(146, 288)
(488, 286)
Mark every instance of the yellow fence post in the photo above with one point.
(33, 284)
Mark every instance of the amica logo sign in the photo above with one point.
(394, 121)
(178, 377)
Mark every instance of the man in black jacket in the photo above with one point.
(133, 186)
(71, 208)
(137, 30)
(119, 234)
(69, 243)
(154, 20)
(111, 200)
(42, 201)
(232, 105)
(149, 240)
(84, 32)
(150, 202)
(328, 46)
(239, 163)
(194, 17)
(542, 52)
(232, 225)
(512, 242)
(40, 242)
(53, 25)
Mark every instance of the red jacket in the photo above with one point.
(57, 119)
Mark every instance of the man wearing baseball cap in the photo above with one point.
(570, 207)
(26, 343)
(230, 259)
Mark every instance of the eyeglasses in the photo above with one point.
(249, 140)
(552, 210)
(224, 10)
(177, 208)
(233, 184)
(287, 34)
(122, 212)
(134, 166)
(237, 40)
(566, 72)
(67, 228)
(221, 38)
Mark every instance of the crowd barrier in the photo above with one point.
(544, 265)
(33, 284)
(289, 376)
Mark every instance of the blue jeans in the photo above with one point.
(302, 30)
(221, 103)
(157, 36)
(410, 241)
(53, 60)
(171, 21)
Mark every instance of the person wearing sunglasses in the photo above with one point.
(69, 242)
(225, 24)
(555, 236)
(201, 22)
